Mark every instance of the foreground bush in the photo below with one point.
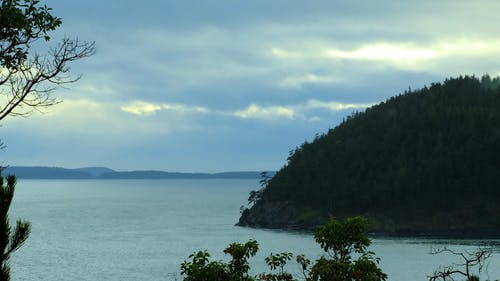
(339, 241)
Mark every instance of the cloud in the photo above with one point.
(314, 119)
(376, 51)
(334, 106)
(384, 51)
(142, 108)
(431, 55)
(259, 112)
(184, 108)
(204, 63)
(298, 81)
(286, 54)
(252, 111)
(203, 70)
(468, 47)
(301, 110)
(328, 56)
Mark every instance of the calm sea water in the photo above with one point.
(143, 229)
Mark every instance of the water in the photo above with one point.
(143, 229)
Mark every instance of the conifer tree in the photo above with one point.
(10, 239)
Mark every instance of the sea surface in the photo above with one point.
(142, 230)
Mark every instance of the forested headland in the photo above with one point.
(424, 162)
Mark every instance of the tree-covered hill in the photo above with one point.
(423, 162)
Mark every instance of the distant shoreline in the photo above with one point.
(26, 172)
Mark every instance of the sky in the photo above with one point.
(228, 85)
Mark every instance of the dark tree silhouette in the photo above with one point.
(346, 259)
(30, 69)
(201, 269)
(424, 162)
(10, 239)
(472, 262)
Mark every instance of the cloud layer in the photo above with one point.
(224, 85)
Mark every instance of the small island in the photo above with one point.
(425, 162)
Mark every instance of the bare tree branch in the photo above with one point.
(28, 87)
(27, 78)
(464, 269)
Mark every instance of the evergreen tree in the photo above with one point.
(423, 162)
(10, 239)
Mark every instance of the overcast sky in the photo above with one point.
(235, 85)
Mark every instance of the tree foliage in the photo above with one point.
(30, 69)
(339, 240)
(425, 161)
(276, 264)
(21, 23)
(201, 269)
(10, 239)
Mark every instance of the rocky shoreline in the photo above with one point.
(285, 216)
(281, 215)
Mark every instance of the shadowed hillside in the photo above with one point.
(423, 162)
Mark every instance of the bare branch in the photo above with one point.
(464, 269)
(28, 87)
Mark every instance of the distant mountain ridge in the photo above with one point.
(95, 171)
(36, 172)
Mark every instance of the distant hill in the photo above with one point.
(426, 162)
(45, 173)
(95, 171)
(106, 173)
